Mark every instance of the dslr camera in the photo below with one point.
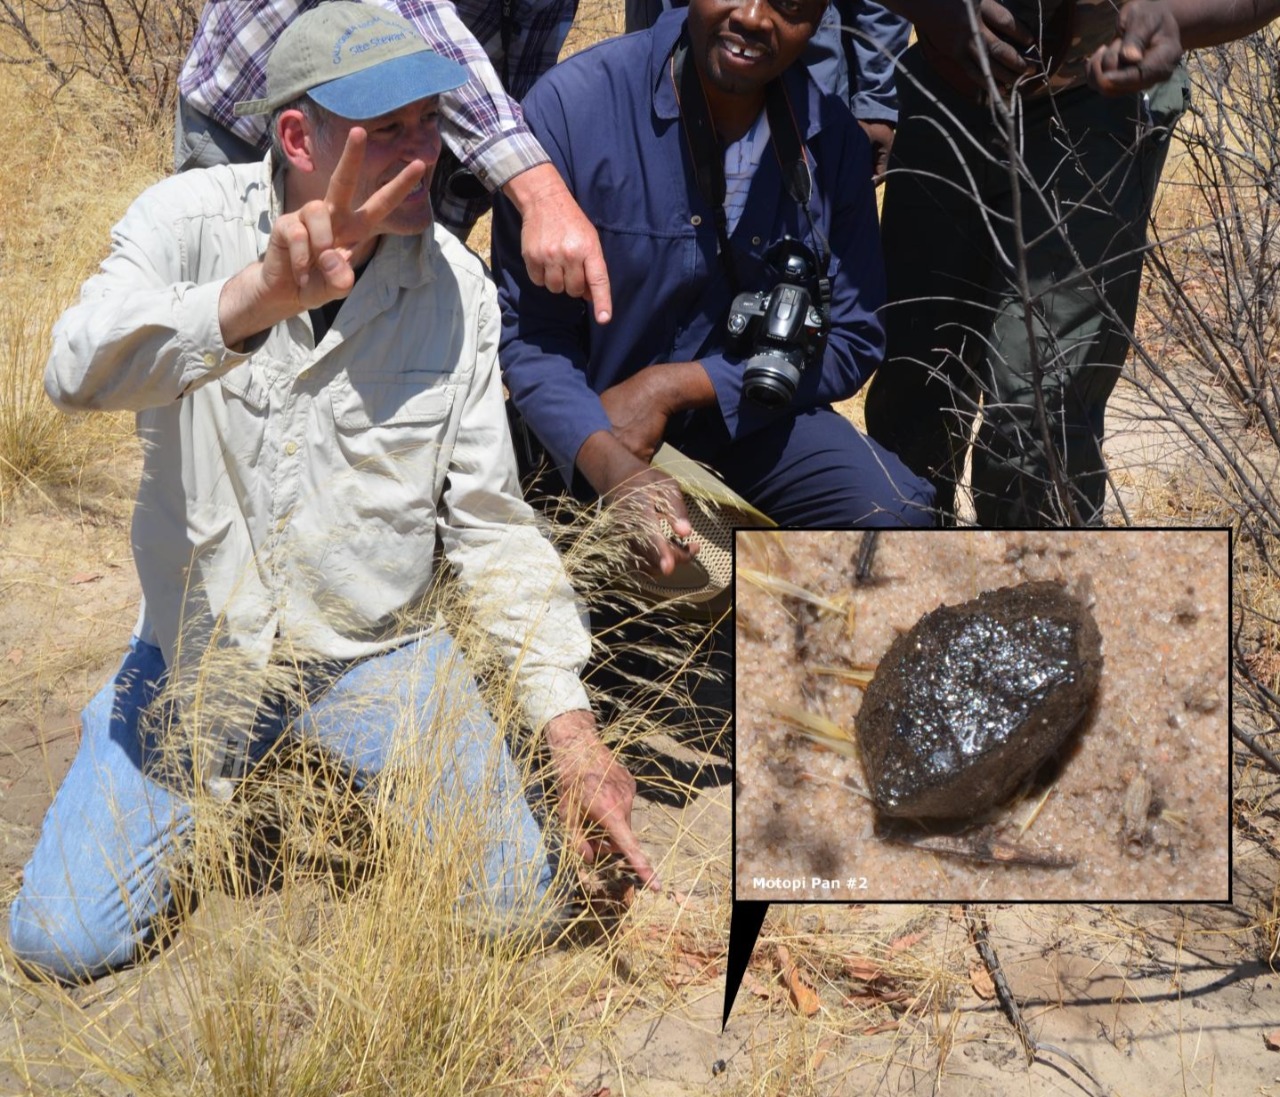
(780, 328)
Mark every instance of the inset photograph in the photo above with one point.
(955, 715)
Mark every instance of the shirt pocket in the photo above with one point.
(246, 387)
(396, 427)
(241, 419)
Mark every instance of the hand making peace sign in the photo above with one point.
(313, 250)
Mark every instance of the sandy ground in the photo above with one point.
(1160, 599)
(1148, 999)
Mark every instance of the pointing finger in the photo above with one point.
(599, 296)
(624, 840)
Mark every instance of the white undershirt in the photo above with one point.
(740, 162)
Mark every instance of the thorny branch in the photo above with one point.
(132, 48)
(980, 934)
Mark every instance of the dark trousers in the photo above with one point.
(1028, 319)
(812, 470)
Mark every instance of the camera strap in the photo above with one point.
(707, 154)
(704, 148)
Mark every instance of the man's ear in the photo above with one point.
(296, 140)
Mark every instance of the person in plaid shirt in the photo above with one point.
(488, 146)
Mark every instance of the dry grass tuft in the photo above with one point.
(66, 178)
(321, 945)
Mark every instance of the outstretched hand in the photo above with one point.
(595, 794)
(312, 252)
(560, 246)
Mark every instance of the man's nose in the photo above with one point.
(423, 144)
(753, 13)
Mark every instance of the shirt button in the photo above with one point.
(696, 220)
(291, 448)
(755, 240)
(210, 360)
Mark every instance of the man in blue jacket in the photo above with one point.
(625, 123)
(853, 54)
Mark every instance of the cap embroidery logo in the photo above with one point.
(396, 34)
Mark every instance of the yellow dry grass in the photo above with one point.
(318, 985)
(66, 177)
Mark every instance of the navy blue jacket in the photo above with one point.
(609, 120)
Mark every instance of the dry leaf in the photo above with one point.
(690, 966)
(803, 997)
(862, 969)
(888, 1026)
(1272, 1040)
(906, 942)
(824, 1046)
(15, 656)
(83, 577)
(980, 978)
(753, 986)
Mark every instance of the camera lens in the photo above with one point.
(770, 380)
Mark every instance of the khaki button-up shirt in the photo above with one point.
(293, 496)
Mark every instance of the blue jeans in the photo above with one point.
(100, 878)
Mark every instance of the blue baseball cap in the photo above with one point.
(356, 60)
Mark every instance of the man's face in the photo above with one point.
(740, 45)
(394, 141)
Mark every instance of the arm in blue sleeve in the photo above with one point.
(878, 39)
(824, 56)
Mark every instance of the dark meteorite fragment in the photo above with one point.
(974, 698)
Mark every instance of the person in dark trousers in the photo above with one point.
(1026, 159)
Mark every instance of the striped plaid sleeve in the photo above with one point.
(482, 123)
